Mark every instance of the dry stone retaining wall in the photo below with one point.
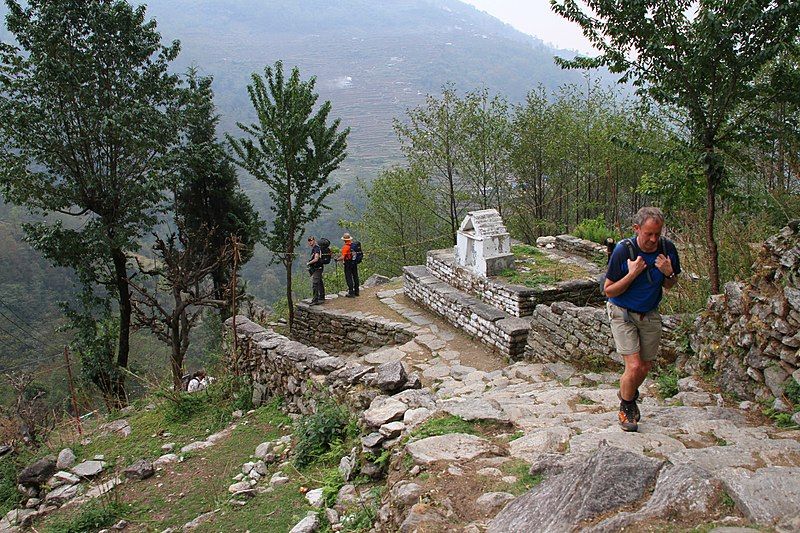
(508, 335)
(282, 367)
(516, 300)
(337, 332)
(750, 334)
(582, 335)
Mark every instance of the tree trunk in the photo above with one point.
(711, 243)
(125, 310)
(176, 360)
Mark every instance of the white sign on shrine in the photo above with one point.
(483, 244)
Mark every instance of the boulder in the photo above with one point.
(548, 440)
(605, 481)
(384, 411)
(314, 498)
(164, 460)
(390, 377)
(141, 469)
(375, 280)
(63, 478)
(392, 429)
(37, 473)
(120, 427)
(309, 524)
(687, 491)
(264, 448)
(423, 517)
(65, 459)
(405, 493)
(491, 502)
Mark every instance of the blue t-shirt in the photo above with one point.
(644, 293)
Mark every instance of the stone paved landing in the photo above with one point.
(562, 412)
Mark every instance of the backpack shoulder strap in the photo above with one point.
(633, 251)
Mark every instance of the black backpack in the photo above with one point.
(633, 253)
(325, 251)
(358, 254)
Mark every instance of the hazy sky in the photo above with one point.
(535, 18)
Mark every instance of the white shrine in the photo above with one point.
(483, 244)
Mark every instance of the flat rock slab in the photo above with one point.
(766, 496)
(474, 409)
(605, 481)
(384, 355)
(451, 447)
(88, 468)
(643, 441)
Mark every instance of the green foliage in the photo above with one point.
(218, 400)
(332, 481)
(533, 268)
(667, 381)
(293, 151)
(782, 420)
(792, 392)
(10, 497)
(595, 230)
(520, 470)
(442, 426)
(400, 221)
(93, 516)
(526, 251)
(317, 433)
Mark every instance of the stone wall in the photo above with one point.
(750, 334)
(338, 332)
(285, 368)
(573, 245)
(516, 300)
(582, 336)
(507, 335)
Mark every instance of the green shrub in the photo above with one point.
(595, 229)
(667, 381)
(317, 433)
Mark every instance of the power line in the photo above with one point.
(23, 328)
(22, 341)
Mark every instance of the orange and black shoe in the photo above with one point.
(637, 414)
(627, 416)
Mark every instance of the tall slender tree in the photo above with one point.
(208, 201)
(711, 59)
(293, 150)
(87, 119)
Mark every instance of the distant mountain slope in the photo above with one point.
(372, 59)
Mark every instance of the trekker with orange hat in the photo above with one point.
(350, 266)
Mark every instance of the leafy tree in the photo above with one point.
(86, 122)
(431, 140)
(208, 201)
(293, 150)
(398, 221)
(484, 161)
(716, 61)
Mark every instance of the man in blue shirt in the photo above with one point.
(638, 270)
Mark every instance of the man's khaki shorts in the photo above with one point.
(639, 334)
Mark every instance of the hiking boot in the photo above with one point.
(349, 295)
(638, 415)
(627, 416)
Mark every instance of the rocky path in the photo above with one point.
(698, 459)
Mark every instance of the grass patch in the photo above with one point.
(583, 400)
(521, 470)
(93, 516)
(667, 382)
(10, 497)
(444, 426)
(516, 435)
(533, 268)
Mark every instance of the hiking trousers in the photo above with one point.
(317, 286)
(351, 276)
